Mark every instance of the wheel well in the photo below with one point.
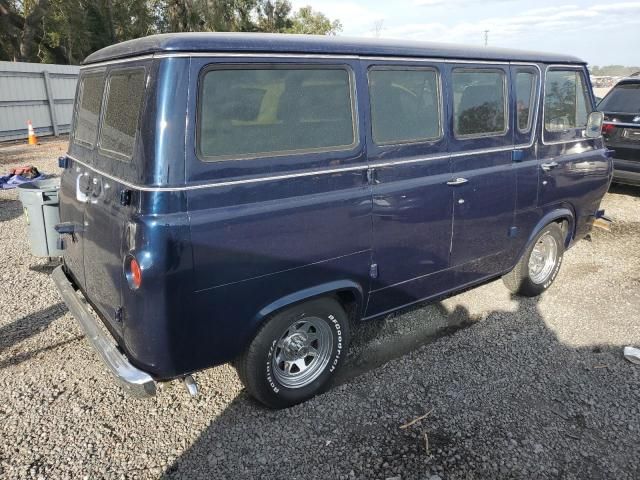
(563, 223)
(349, 302)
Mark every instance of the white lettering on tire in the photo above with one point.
(270, 380)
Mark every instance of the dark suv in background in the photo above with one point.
(621, 129)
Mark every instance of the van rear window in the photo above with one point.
(125, 90)
(88, 112)
(248, 112)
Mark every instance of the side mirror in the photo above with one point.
(594, 125)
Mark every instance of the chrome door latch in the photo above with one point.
(457, 181)
(549, 166)
(373, 270)
(82, 187)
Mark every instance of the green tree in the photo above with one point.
(66, 31)
(307, 21)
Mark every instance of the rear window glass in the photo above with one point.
(91, 86)
(125, 90)
(250, 112)
(566, 101)
(622, 98)
(479, 102)
(405, 105)
(525, 91)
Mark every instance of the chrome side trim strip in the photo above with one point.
(219, 184)
(308, 55)
(622, 124)
(118, 60)
(252, 54)
(362, 168)
(337, 55)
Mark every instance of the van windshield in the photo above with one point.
(623, 98)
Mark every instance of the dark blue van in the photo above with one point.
(245, 197)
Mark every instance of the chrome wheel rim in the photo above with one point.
(543, 258)
(302, 352)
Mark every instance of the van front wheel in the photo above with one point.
(540, 264)
(295, 353)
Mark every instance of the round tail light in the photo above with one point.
(133, 272)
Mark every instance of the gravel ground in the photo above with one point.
(513, 388)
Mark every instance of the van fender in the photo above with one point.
(562, 213)
(309, 293)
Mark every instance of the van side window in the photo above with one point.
(566, 101)
(86, 127)
(405, 105)
(249, 112)
(125, 90)
(479, 102)
(525, 96)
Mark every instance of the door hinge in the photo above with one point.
(125, 197)
(373, 270)
(372, 176)
(517, 155)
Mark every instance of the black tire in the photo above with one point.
(256, 365)
(520, 281)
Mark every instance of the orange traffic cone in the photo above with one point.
(32, 136)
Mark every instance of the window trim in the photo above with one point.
(105, 98)
(532, 101)
(580, 69)
(440, 102)
(355, 123)
(506, 97)
(83, 76)
(561, 130)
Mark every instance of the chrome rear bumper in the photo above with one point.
(134, 380)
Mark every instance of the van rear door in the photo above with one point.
(108, 206)
(75, 179)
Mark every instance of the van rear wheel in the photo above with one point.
(295, 353)
(540, 264)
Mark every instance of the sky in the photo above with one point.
(600, 32)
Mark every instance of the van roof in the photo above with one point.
(315, 44)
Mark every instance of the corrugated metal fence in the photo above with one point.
(38, 92)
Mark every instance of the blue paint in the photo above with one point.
(376, 225)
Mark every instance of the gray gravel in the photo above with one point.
(533, 388)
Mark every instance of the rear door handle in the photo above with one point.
(549, 166)
(65, 228)
(457, 181)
